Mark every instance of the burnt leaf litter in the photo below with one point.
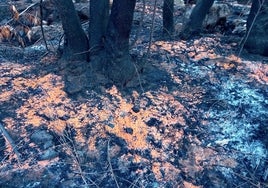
(196, 116)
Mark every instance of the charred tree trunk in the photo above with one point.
(168, 20)
(257, 28)
(76, 42)
(194, 25)
(109, 41)
(99, 15)
(119, 66)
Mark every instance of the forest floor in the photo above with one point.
(197, 116)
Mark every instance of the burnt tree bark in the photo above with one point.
(168, 18)
(194, 25)
(108, 38)
(75, 39)
(119, 66)
(99, 15)
(257, 28)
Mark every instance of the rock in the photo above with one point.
(129, 130)
(41, 136)
(48, 154)
(135, 108)
(43, 139)
(153, 122)
(48, 144)
(216, 13)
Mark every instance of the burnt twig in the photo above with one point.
(10, 140)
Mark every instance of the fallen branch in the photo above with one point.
(10, 140)
(30, 6)
(110, 164)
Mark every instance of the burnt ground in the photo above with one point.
(197, 116)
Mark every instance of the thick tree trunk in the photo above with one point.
(119, 66)
(99, 15)
(168, 20)
(257, 41)
(194, 25)
(76, 42)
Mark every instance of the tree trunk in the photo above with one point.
(194, 25)
(76, 42)
(119, 66)
(109, 41)
(99, 15)
(257, 41)
(168, 20)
